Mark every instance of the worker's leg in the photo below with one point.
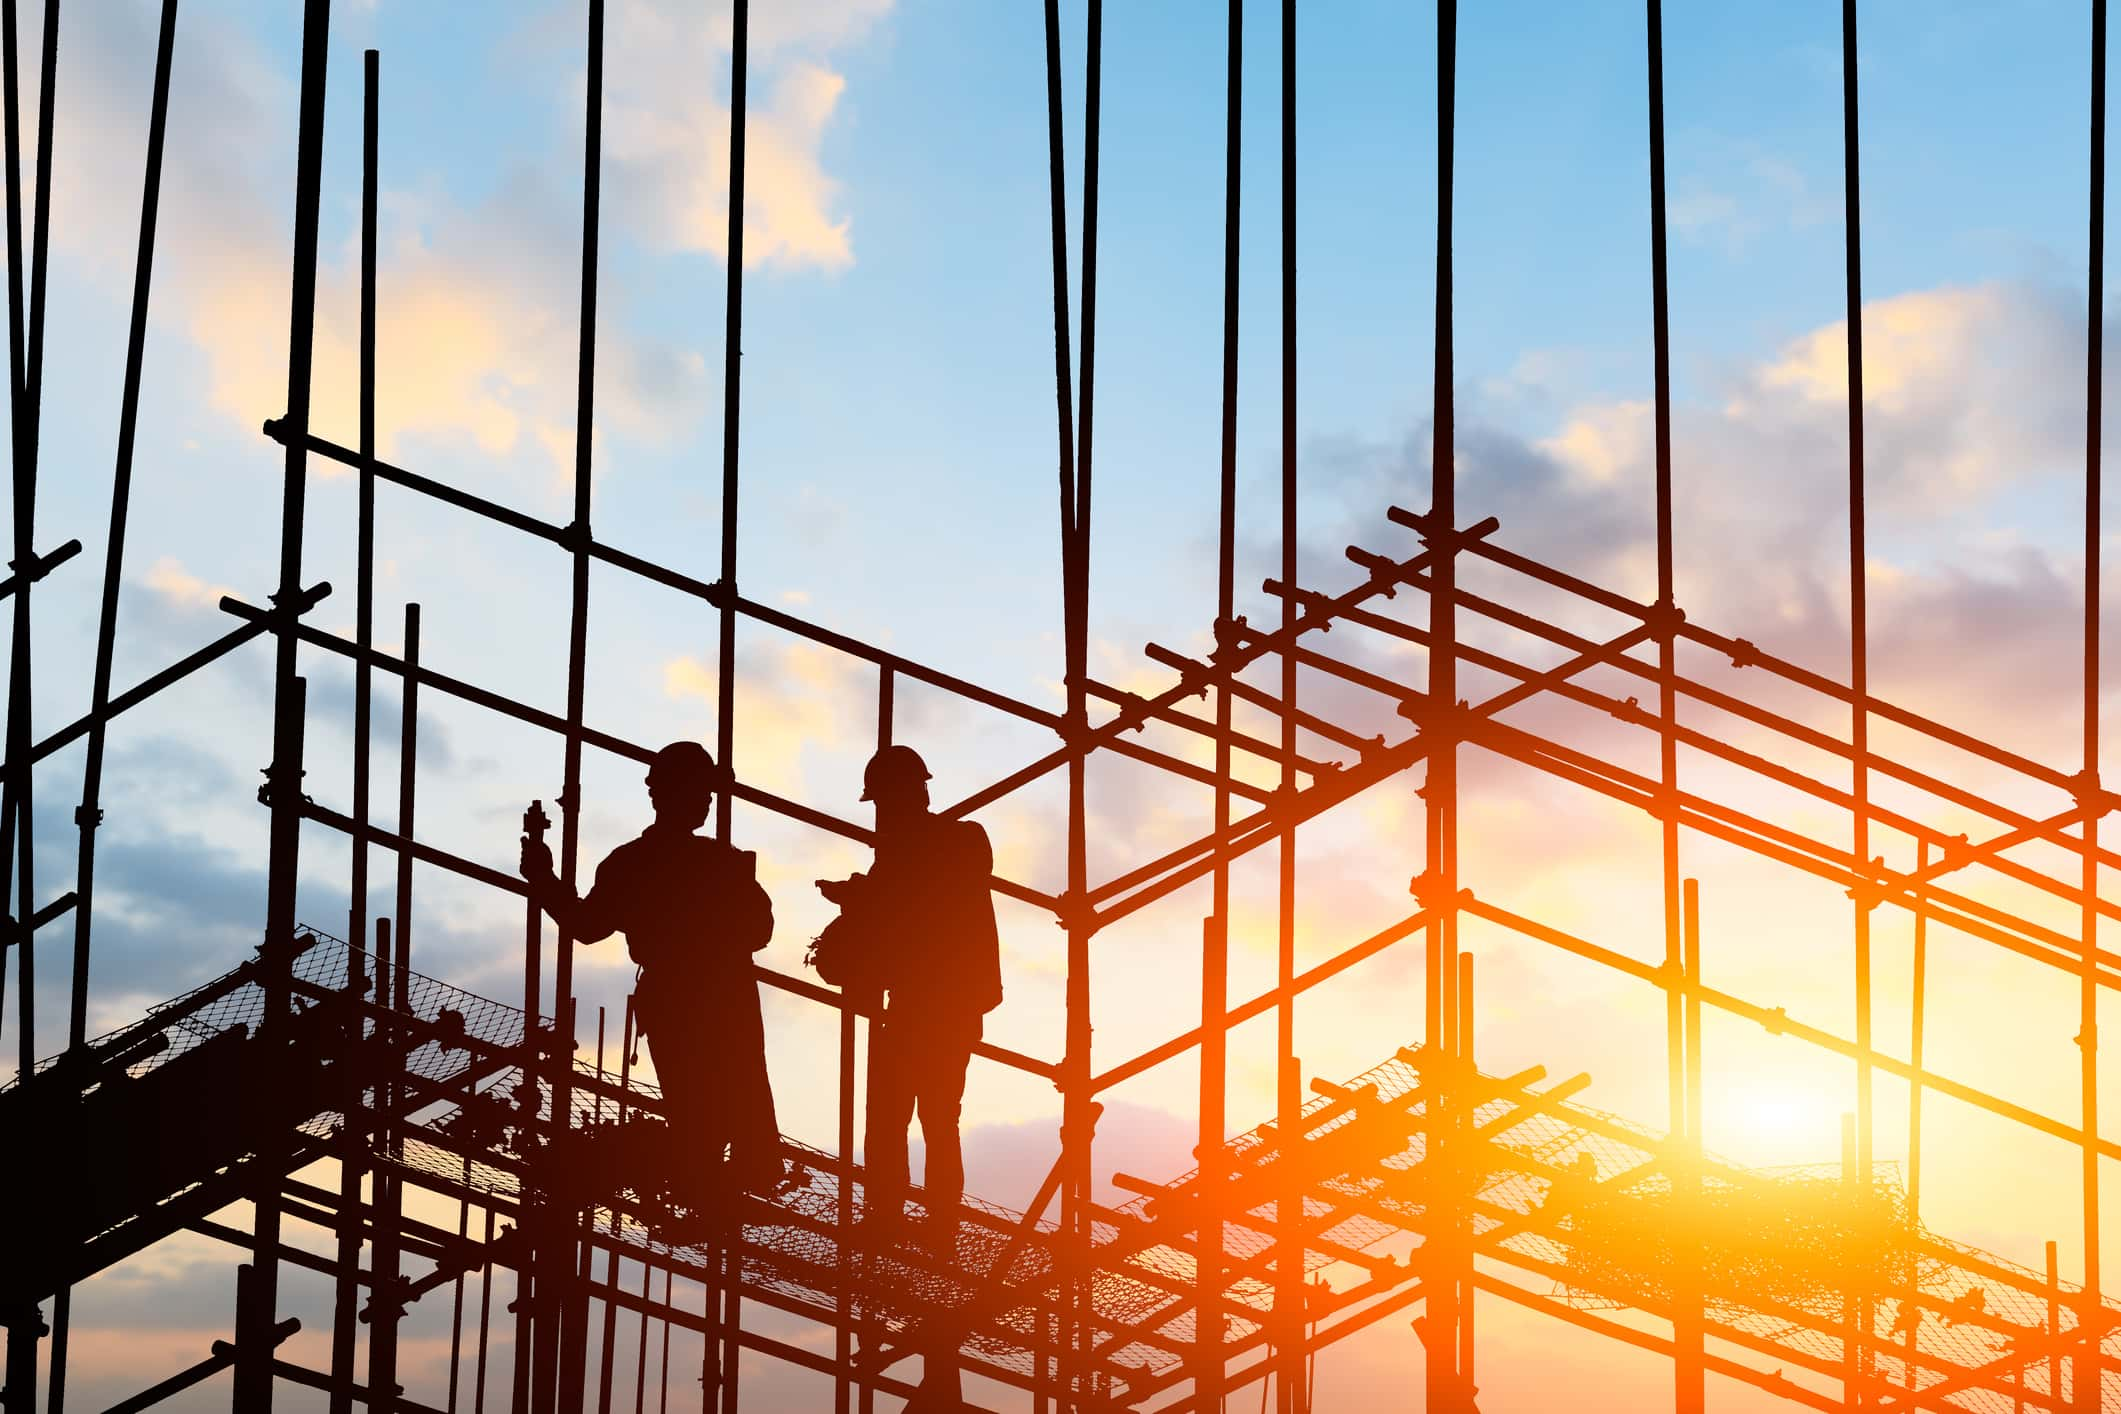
(946, 1052)
(892, 1075)
(754, 1134)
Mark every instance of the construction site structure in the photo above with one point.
(1408, 1192)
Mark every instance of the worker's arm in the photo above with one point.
(752, 907)
(589, 920)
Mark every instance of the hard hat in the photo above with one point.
(894, 766)
(686, 761)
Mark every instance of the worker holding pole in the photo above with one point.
(693, 913)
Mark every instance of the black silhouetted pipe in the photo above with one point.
(350, 1166)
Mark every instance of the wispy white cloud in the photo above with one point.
(666, 128)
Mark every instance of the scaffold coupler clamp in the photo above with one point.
(2085, 790)
(1071, 911)
(1229, 639)
(1871, 891)
(1664, 619)
(267, 788)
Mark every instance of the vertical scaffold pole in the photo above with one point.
(571, 1311)
(2090, 1376)
(731, 1291)
(1077, 567)
(254, 1342)
(90, 814)
(26, 386)
(25, 1323)
(1446, 1378)
(1687, 1377)
(1075, 1068)
(1859, 626)
(1291, 1396)
(843, 1330)
(1215, 934)
(347, 1280)
(388, 1191)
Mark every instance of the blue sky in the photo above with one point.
(899, 462)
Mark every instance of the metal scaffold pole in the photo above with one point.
(1215, 932)
(254, 1341)
(1447, 1270)
(1292, 1388)
(1857, 1343)
(722, 1360)
(569, 1314)
(2090, 1369)
(1688, 1391)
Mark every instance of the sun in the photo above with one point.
(1778, 1121)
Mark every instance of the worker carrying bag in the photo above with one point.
(848, 955)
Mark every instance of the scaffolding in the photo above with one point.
(1418, 1186)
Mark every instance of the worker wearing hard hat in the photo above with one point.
(693, 914)
(925, 909)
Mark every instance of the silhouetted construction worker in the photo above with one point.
(693, 914)
(927, 910)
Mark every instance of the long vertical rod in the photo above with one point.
(1215, 936)
(14, 810)
(572, 1310)
(640, 1343)
(1859, 623)
(1077, 645)
(2090, 1378)
(843, 1329)
(1291, 1396)
(456, 1300)
(478, 1375)
(725, 712)
(389, 1195)
(1918, 993)
(254, 1375)
(383, 1255)
(1690, 928)
(1075, 1076)
(90, 814)
(26, 1326)
(1688, 1390)
(610, 1332)
(26, 369)
(1443, 1373)
(350, 1168)
(27, 360)
(1859, 637)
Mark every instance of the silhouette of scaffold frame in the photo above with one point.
(1232, 1254)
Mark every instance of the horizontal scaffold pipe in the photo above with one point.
(184, 667)
(1824, 861)
(571, 538)
(494, 878)
(1888, 884)
(1743, 653)
(1777, 1021)
(1193, 860)
(2023, 827)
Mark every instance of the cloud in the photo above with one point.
(476, 320)
(791, 702)
(183, 589)
(1732, 192)
(666, 136)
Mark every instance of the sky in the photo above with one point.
(898, 485)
